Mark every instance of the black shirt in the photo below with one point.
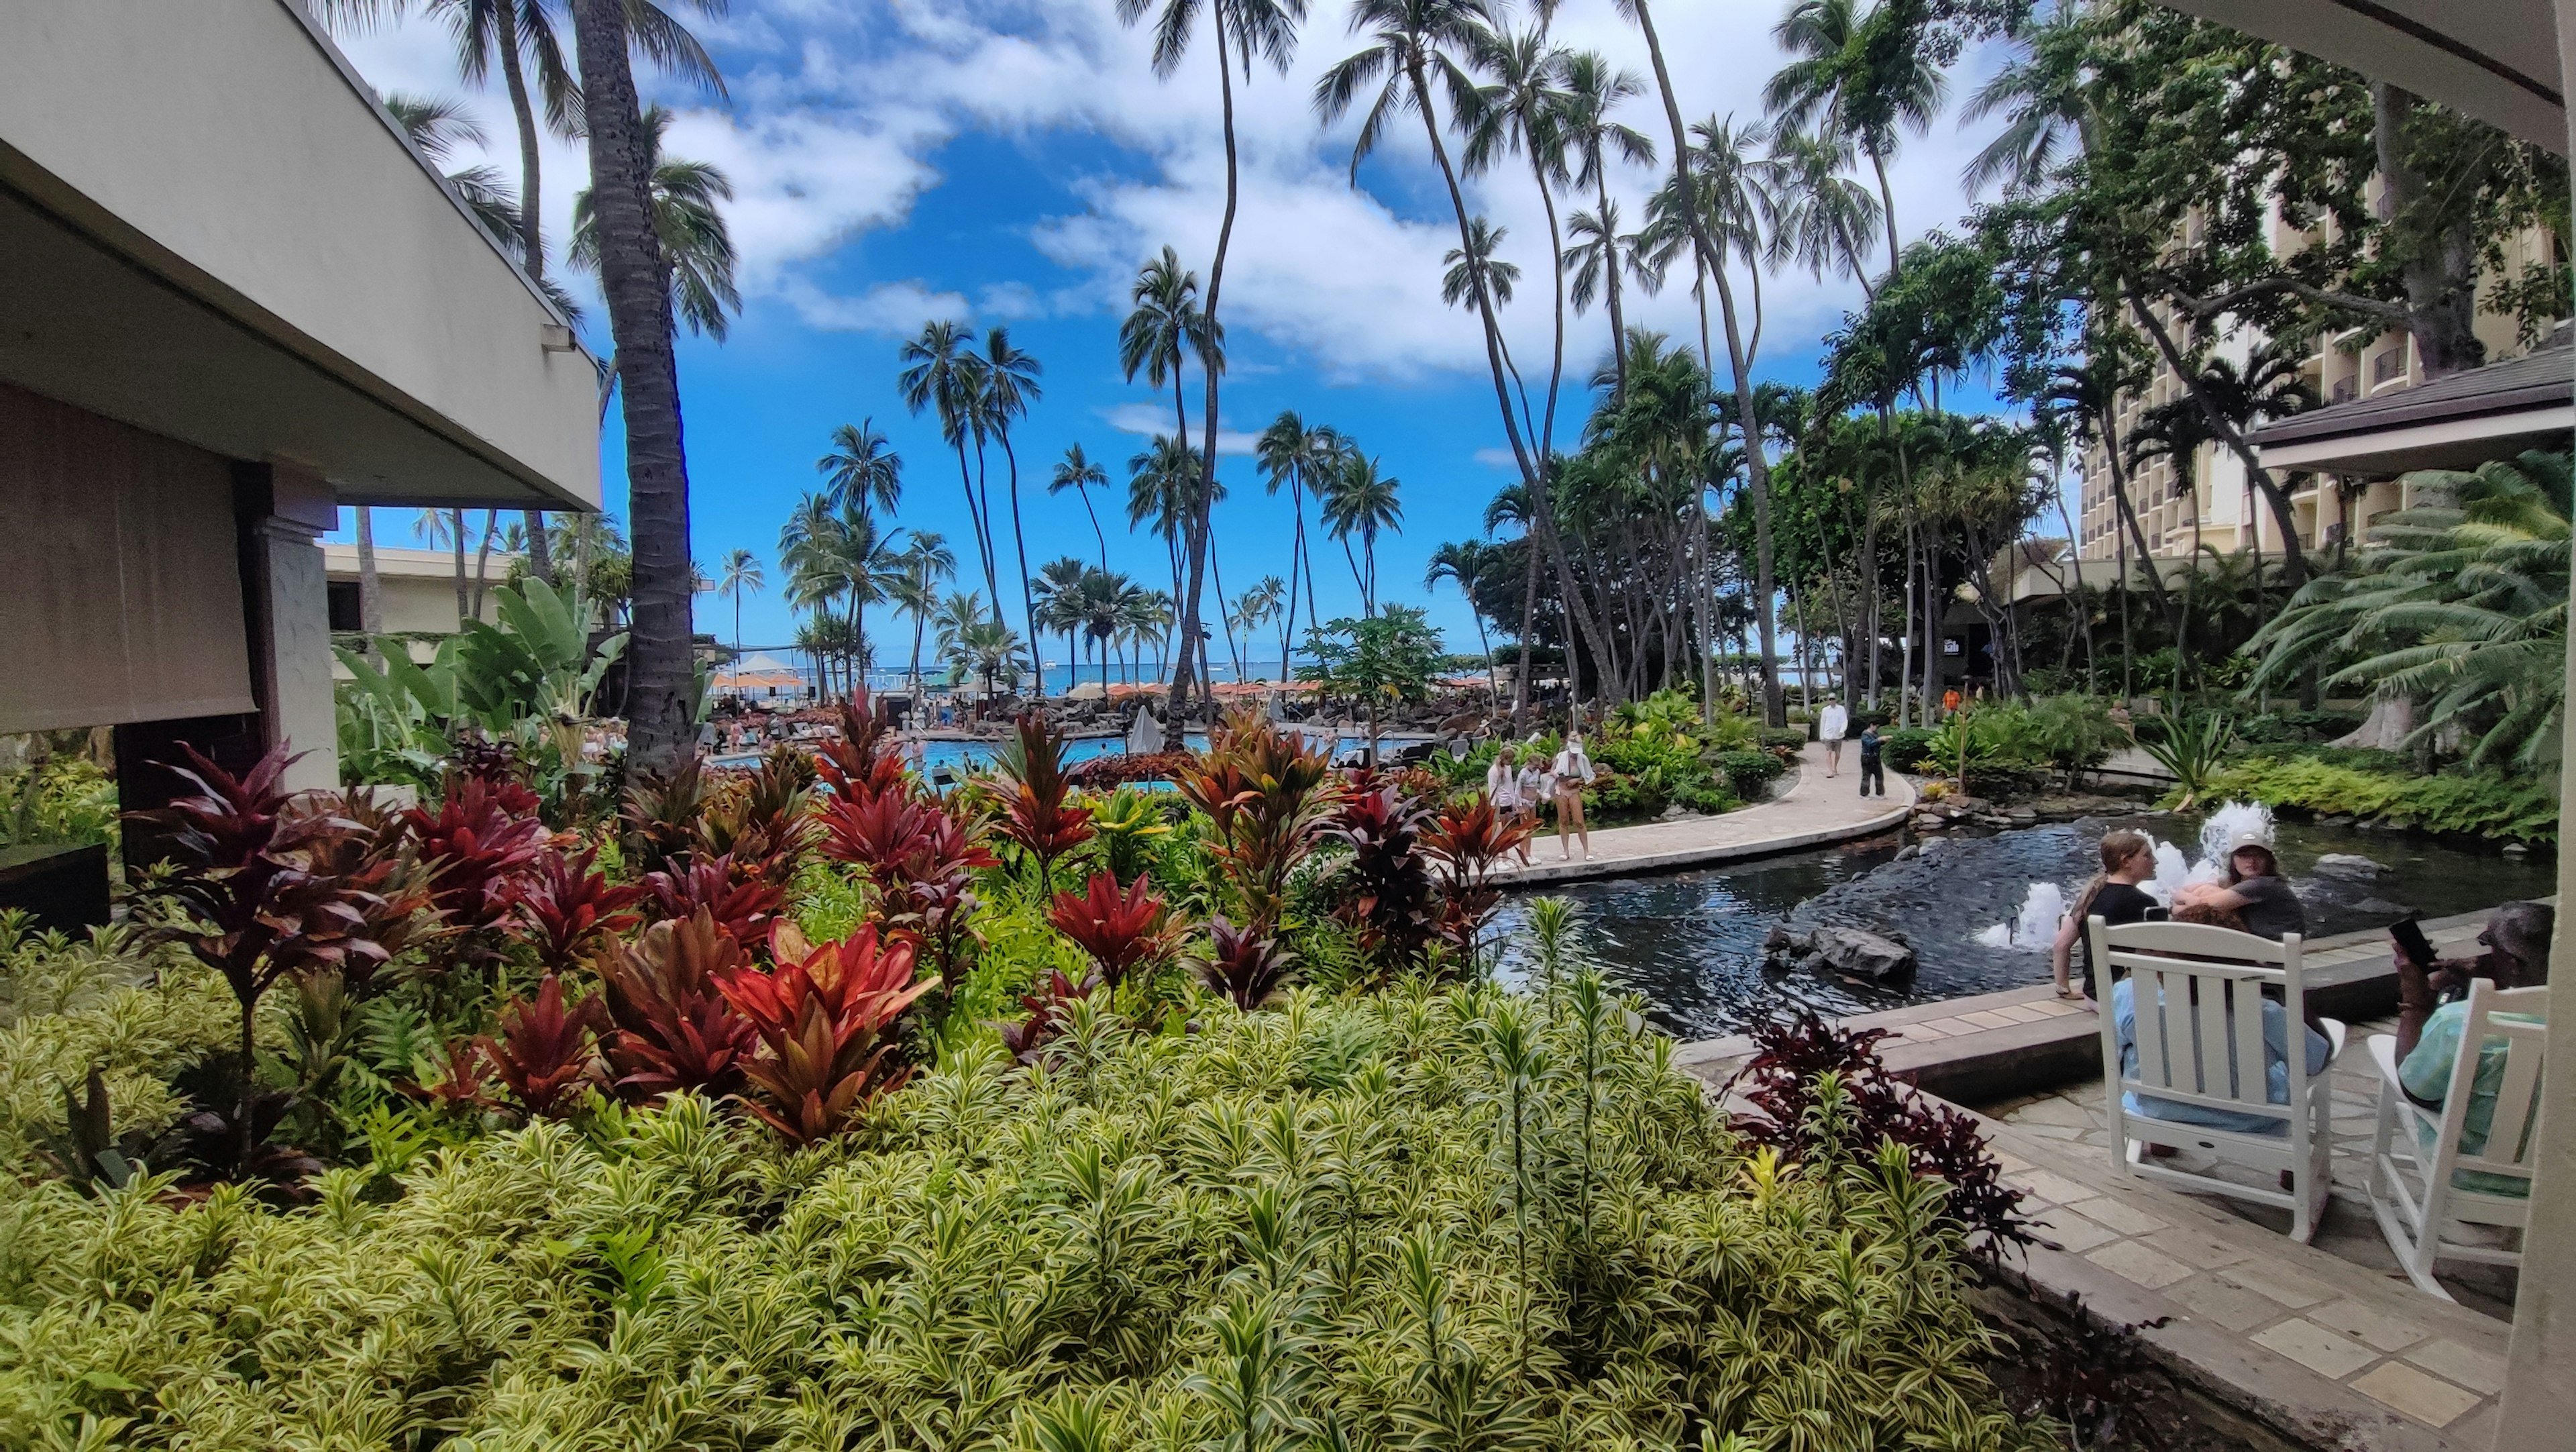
(2116, 904)
(1870, 742)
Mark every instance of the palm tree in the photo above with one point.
(942, 373)
(697, 246)
(742, 575)
(637, 281)
(919, 569)
(1523, 109)
(447, 530)
(1357, 499)
(1010, 379)
(861, 468)
(1058, 604)
(1462, 561)
(1243, 28)
(1859, 78)
(1076, 471)
(1256, 606)
(1475, 267)
(371, 594)
(1162, 328)
(1821, 220)
(1291, 453)
(1592, 89)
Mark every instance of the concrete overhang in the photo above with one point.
(2446, 444)
(2458, 421)
(211, 230)
(2496, 60)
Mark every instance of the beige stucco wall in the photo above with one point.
(224, 146)
(418, 586)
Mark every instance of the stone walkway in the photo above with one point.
(1815, 810)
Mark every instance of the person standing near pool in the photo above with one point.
(1573, 773)
(1534, 785)
(1503, 789)
(1831, 728)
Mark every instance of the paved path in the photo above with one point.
(1816, 810)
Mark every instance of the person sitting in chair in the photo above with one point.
(2516, 940)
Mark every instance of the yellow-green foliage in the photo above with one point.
(1307, 1226)
(2488, 804)
(67, 1007)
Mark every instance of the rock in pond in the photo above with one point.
(2349, 866)
(1849, 952)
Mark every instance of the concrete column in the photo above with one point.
(290, 624)
(2540, 1373)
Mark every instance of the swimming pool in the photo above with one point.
(964, 756)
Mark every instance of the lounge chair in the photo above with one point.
(2448, 1170)
(2200, 1003)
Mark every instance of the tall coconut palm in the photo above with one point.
(924, 563)
(1058, 604)
(742, 575)
(1290, 453)
(1163, 480)
(1522, 110)
(940, 372)
(1412, 43)
(1163, 327)
(1859, 77)
(861, 469)
(636, 279)
(1243, 29)
(1358, 499)
(1010, 378)
(1821, 220)
(1475, 268)
(1077, 472)
(1591, 89)
(1257, 606)
(1461, 562)
(697, 246)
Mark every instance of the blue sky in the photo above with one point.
(1012, 163)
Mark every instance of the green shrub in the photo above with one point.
(2481, 803)
(66, 800)
(1791, 739)
(1425, 1219)
(139, 1015)
(1750, 773)
(1906, 748)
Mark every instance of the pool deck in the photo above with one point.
(1814, 811)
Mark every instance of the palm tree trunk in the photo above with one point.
(1610, 281)
(1886, 209)
(1556, 268)
(483, 558)
(2294, 567)
(1020, 543)
(532, 250)
(1203, 509)
(371, 592)
(1529, 620)
(659, 671)
(456, 543)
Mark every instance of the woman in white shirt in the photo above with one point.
(1831, 728)
(1573, 772)
(1503, 788)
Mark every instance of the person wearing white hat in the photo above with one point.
(1832, 725)
(2254, 893)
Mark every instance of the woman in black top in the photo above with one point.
(2114, 896)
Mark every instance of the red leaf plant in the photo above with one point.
(1033, 787)
(258, 907)
(742, 908)
(545, 1049)
(1390, 885)
(1118, 769)
(460, 1080)
(570, 908)
(823, 1015)
(1465, 842)
(765, 820)
(675, 1028)
(923, 862)
(858, 763)
(378, 860)
(483, 836)
(1028, 1038)
(1271, 800)
(1122, 931)
(661, 813)
(1243, 965)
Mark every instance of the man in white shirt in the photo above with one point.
(1831, 728)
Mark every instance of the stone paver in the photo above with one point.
(1816, 810)
(2428, 1399)
(2133, 1261)
(2327, 1353)
(2477, 1370)
(2377, 1329)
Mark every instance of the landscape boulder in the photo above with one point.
(2349, 867)
(1854, 953)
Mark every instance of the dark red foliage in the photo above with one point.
(675, 1029)
(1389, 901)
(765, 820)
(742, 909)
(922, 860)
(1271, 799)
(1780, 1082)
(1121, 930)
(1028, 1038)
(1466, 842)
(1033, 787)
(462, 1081)
(568, 907)
(1243, 965)
(660, 814)
(482, 837)
(378, 861)
(824, 1016)
(1101, 773)
(860, 762)
(544, 1049)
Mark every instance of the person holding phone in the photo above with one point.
(1573, 773)
(2516, 943)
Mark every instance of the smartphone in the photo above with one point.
(2410, 936)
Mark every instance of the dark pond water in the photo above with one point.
(1691, 943)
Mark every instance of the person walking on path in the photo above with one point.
(1831, 728)
(1573, 772)
(1873, 769)
(1503, 787)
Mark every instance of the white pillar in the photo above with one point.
(291, 634)
(2540, 1373)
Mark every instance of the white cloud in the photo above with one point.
(1146, 420)
(1498, 459)
(896, 309)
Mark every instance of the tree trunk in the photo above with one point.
(2441, 281)
(532, 248)
(371, 592)
(1204, 508)
(2293, 558)
(1020, 544)
(464, 595)
(660, 674)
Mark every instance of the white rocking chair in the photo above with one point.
(2198, 994)
(2418, 1196)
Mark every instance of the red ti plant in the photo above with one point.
(378, 860)
(1390, 898)
(923, 862)
(483, 836)
(765, 823)
(859, 763)
(1271, 800)
(823, 1015)
(742, 908)
(1029, 1037)
(568, 907)
(675, 1029)
(1243, 965)
(1122, 931)
(1465, 843)
(661, 814)
(1033, 785)
(545, 1049)
(259, 908)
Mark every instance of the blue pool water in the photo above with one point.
(963, 756)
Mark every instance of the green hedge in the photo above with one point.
(2523, 809)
